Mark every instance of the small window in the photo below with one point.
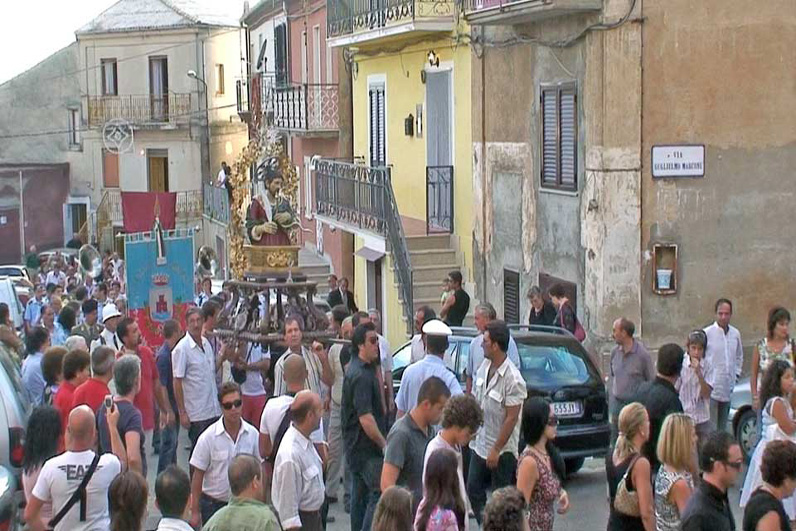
(559, 136)
(73, 127)
(220, 80)
(110, 85)
(110, 169)
(511, 296)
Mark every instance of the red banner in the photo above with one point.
(139, 208)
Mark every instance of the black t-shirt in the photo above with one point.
(361, 395)
(761, 503)
(660, 398)
(129, 420)
(458, 311)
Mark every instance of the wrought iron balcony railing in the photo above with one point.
(362, 198)
(346, 17)
(501, 11)
(139, 109)
(307, 108)
(216, 203)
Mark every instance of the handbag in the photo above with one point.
(239, 375)
(625, 501)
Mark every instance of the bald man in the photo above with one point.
(61, 477)
(298, 488)
(275, 421)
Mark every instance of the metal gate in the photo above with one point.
(439, 199)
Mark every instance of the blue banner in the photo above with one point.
(147, 280)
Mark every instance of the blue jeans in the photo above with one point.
(168, 446)
(208, 506)
(365, 491)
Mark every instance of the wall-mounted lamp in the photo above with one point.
(355, 69)
(433, 58)
(409, 125)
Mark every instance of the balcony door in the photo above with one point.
(158, 170)
(159, 88)
(439, 151)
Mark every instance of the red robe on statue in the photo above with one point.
(257, 213)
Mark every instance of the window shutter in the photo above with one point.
(378, 148)
(568, 146)
(511, 296)
(549, 137)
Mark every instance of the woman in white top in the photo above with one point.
(461, 419)
(43, 440)
(778, 424)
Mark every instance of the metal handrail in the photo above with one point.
(402, 263)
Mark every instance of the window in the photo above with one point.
(378, 140)
(109, 84)
(304, 57)
(73, 127)
(559, 136)
(280, 54)
(110, 169)
(511, 296)
(220, 80)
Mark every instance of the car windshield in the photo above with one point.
(404, 355)
(10, 272)
(552, 366)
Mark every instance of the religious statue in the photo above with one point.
(270, 218)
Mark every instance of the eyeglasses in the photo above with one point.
(736, 465)
(230, 405)
(374, 340)
(552, 421)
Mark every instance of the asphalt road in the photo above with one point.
(587, 492)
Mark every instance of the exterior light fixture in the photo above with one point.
(433, 58)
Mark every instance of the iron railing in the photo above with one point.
(109, 210)
(308, 108)
(216, 203)
(139, 109)
(439, 199)
(345, 17)
(362, 197)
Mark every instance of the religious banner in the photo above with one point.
(160, 279)
(139, 210)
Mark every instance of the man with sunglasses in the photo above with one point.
(708, 508)
(216, 448)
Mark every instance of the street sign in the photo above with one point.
(678, 161)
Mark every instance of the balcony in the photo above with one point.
(351, 22)
(523, 11)
(307, 109)
(140, 110)
(216, 203)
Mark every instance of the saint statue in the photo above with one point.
(270, 218)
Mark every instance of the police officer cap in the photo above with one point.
(435, 327)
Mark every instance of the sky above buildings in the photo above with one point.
(33, 30)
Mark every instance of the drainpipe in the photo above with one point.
(21, 215)
(484, 275)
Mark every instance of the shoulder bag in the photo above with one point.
(78, 496)
(625, 501)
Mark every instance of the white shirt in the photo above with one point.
(439, 443)
(418, 349)
(215, 450)
(253, 386)
(724, 356)
(172, 524)
(274, 412)
(476, 355)
(196, 365)
(109, 339)
(505, 389)
(221, 178)
(61, 476)
(694, 405)
(314, 370)
(298, 478)
(337, 371)
(385, 354)
(54, 277)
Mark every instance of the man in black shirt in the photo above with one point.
(457, 304)
(364, 425)
(542, 312)
(709, 509)
(660, 397)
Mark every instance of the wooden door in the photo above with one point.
(9, 235)
(158, 172)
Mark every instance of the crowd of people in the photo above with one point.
(272, 445)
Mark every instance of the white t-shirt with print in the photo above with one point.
(61, 476)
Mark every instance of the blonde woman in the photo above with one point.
(674, 482)
(626, 462)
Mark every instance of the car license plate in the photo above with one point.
(567, 409)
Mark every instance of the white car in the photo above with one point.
(8, 295)
(14, 271)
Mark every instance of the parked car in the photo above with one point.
(555, 366)
(14, 414)
(9, 501)
(14, 271)
(743, 417)
(18, 275)
(8, 295)
(68, 253)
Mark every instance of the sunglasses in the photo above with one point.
(737, 465)
(552, 421)
(230, 405)
(374, 340)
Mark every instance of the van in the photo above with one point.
(8, 295)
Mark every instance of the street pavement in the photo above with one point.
(587, 490)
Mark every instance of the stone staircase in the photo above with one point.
(433, 257)
(317, 269)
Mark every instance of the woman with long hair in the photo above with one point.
(127, 498)
(42, 440)
(394, 510)
(541, 469)
(675, 480)
(777, 345)
(778, 424)
(442, 508)
(628, 474)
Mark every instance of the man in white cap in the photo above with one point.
(110, 318)
(432, 364)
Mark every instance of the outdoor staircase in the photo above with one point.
(317, 268)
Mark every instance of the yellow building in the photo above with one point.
(412, 155)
